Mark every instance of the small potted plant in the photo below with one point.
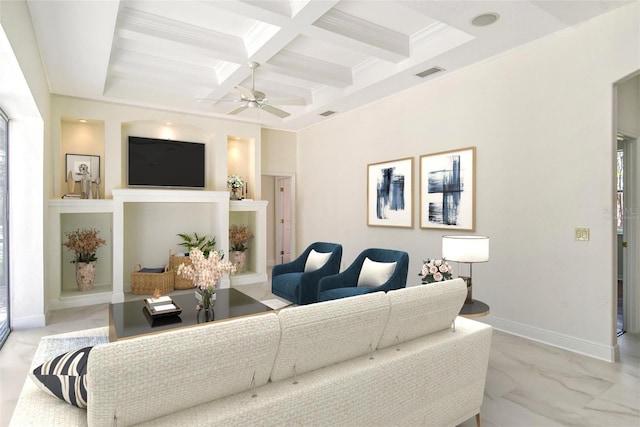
(196, 241)
(85, 243)
(190, 241)
(235, 183)
(239, 235)
(435, 270)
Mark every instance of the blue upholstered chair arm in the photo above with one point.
(349, 277)
(309, 281)
(399, 277)
(305, 290)
(295, 266)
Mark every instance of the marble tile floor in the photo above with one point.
(528, 383)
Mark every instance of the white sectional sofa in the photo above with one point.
(376, 359)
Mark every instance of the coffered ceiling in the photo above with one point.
(315, 56)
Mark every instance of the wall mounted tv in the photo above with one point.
(164, 163)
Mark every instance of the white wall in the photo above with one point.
(629, 107)
(24, 96)
(541, 119)
(279, 157)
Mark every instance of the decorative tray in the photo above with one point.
(161, 307)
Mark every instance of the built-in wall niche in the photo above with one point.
(241, 162)
(70, 222)
(81, 137)
(247, 218)
(151, 231)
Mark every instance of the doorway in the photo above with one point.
(279, 190)
(626, 218)
(283, 218)
(5, 325)
(621, 155)
(626, 290)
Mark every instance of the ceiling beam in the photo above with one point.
(310, 69)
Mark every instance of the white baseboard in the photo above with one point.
(79, 301)
(566, 342)
(31, 322)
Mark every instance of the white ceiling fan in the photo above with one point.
(252, 98)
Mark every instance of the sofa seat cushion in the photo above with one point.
(287, 284)
(318, 335)
(337, 293)
(423, 309)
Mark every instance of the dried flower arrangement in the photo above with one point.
(239, 235)
(84, 242)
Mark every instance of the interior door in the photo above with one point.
(283, 216)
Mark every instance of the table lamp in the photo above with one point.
(466, 249)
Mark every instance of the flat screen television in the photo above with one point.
(165, 163)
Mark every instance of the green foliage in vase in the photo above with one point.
(195, 241)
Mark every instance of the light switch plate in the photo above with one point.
(582, 234)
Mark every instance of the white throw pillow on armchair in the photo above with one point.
(315, 260)
(374, 273)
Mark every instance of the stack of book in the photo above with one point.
(162, 306)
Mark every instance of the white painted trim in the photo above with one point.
(566, 342)
(79, 301)
(31, 322)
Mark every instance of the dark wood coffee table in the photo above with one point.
(130, 319)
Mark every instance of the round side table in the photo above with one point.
(474, 309)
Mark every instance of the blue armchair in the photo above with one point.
(291, 282)
(378, 275)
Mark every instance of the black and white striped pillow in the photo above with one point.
(64, 377)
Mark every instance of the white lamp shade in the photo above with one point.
(465, 248)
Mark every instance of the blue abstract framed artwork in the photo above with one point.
(390, 193)
(448, 190)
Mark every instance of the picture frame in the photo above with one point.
(74, 163)
(390, 193)
(448, 190)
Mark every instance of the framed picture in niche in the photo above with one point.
(448, 190)
(77, 164)
(390, 193)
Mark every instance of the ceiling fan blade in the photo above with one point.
(219, 100)
(286, 101)
(238, 110)
(275, 111)
(247, 93)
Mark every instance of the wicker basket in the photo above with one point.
(143, 283)
(180, 282)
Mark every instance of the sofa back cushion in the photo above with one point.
(143, 378)
(321, 334)
(422, 310)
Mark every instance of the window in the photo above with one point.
(4, 259)
(620, 187)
